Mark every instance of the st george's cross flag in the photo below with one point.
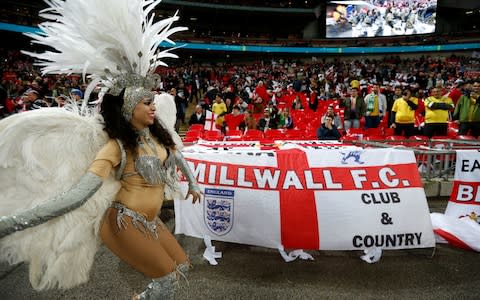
(210, 119)
(333, 199)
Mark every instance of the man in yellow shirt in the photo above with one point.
(403, 114)
(219, 108)
(436, 113)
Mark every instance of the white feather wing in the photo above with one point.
(43, 153)
(167, 114)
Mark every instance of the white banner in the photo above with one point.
(307, 198)
(460, 225)
(465, 197)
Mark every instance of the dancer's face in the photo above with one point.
(144, 113)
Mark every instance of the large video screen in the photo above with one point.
(373, 18)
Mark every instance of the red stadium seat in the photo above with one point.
(213, 135)
(296, 134)
(465, 137)
(252, 135)
(380, 138)
(452, 132)
(388, 131)
(311, 134)
(192, 136)
(353, 137)
(233, 135)
(354, 134)
(464, 145)
(395, 140)
(355, 131)
(374, 131)
(196, 127)
(438, 142)
(276, 134)
(420, 140)
(452, 124)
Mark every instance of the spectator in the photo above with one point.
(436, 113)
(233, 119)
(198, 116)
(335, 117)
(273, 110)
(219, 108)
(266, 122)
(261, 91)
(328, 131)
(467, 112)
(403, 114)
(249, 121)
(376, 103)
(60, 101)
(391, 97)
(242, 105)
(278, 98)
(180, 112)
(285, 119)
(258, 105)
(184, 95)
(355, 84)
(456, 91)
(31, 100)
(76, 95)
(229, 96)
(354, 109)
(297, 103)
(228, 104)
(211, 94)
(313, 97)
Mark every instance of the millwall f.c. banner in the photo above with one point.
(333, 198)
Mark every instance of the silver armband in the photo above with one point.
(58, 206)
(183, 166)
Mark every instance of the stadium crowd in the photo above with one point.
(316, 99)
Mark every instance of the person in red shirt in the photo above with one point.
(262, 92)
(456, 92)
(233, 119)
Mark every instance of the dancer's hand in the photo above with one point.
(196, 193)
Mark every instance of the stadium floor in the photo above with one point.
(247, 272)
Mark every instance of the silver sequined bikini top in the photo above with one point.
(154, 171)
(150, 167)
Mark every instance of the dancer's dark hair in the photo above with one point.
(117, 127)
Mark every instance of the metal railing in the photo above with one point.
(435, 157)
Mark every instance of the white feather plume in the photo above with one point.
(91, 36)
(166, 113)
(42, 154)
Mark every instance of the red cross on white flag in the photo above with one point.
(332, 199)
(210, 119)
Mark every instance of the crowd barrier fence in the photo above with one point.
(436, 158)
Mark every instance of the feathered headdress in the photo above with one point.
(114, 41)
